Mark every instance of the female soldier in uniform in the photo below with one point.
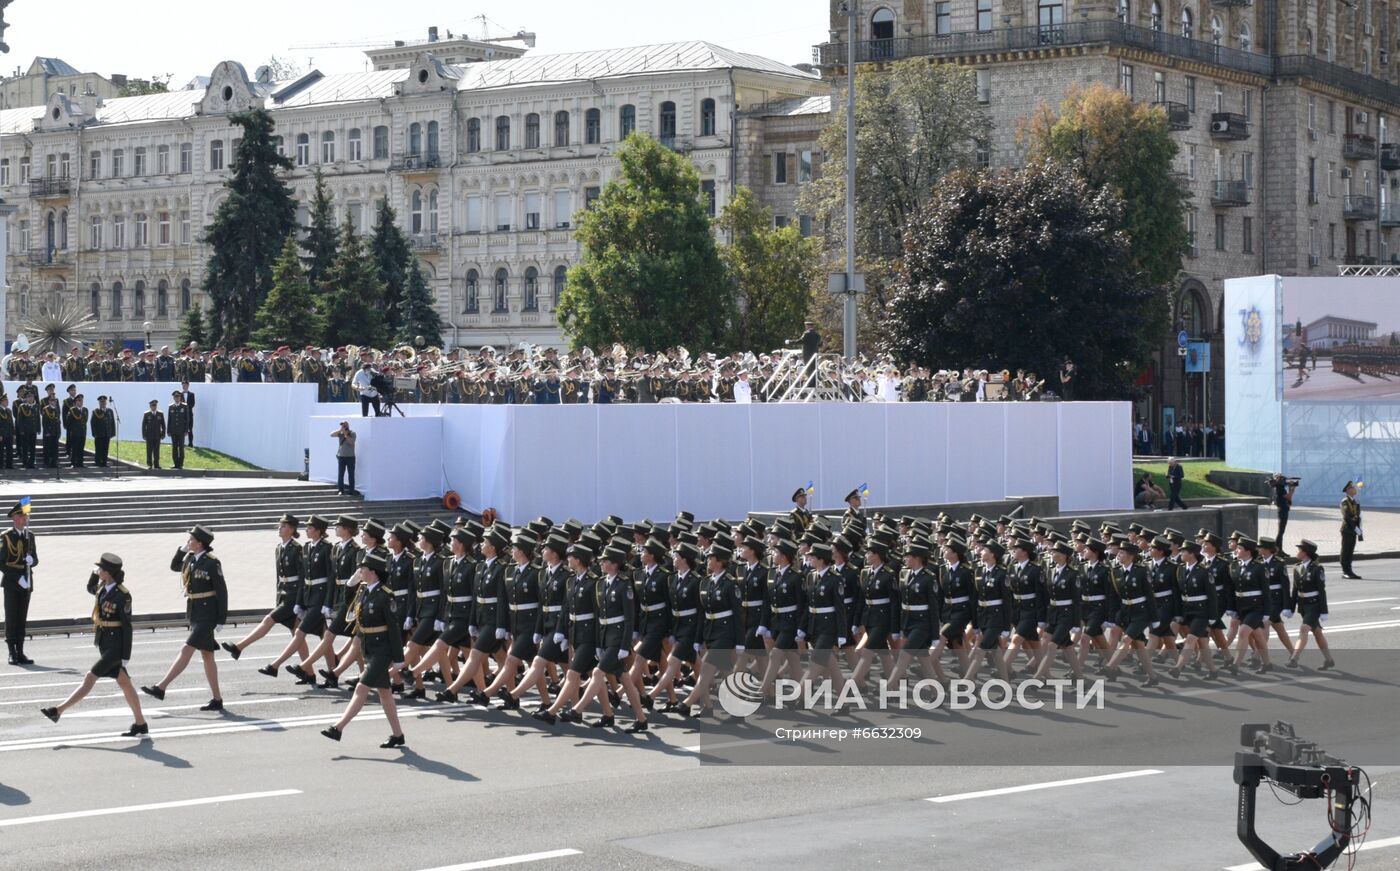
(1062, 615)
(614, 595)
(376, 622)
(787, 613)
(1218, 567)
(992, 623)
(553, 579)
(1279, 595)
(1026, 583)
(826, 616)
(1309, 598)
(753, 591)
(1251, 600)
(577, 629)
(340, 565)
(685, 624)
(959, 591)
(316, 556)
(488, 631)
(111, 626)
(523, 601)
(653, 609)
(428, 616)
(918, 614)
(288, 560)
(1198, 609)
(460, 577)
(722, 630)
(372, 541)
(206, 595)
(880, 594)
(1136, 591)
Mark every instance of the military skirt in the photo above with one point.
(612, 649)
(684, 634)
(992, 623)
(109, 660)
(337, 624)
(917, 628)
(1095, 618)
(955, 626)
(376, 673)
(201, 636)
(584, 660)
(550, 651)
(1061, 625)
(652, 641)
(457, 633)
(424, 633)
(1250, 611)
(285, 613)
(1163, 616)
(1311, 612)
(1276, 603)
(523, 646)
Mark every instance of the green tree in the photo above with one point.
(192, 328)
(248, 230)
(142, 87)
(773, 270)
(1025, 268)
(649, 274)
(1113, 141)
(288, 315)
(914, 122)
(321, 237)
(420, 316)
(353, 308)
(389, 246)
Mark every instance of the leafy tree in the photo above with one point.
(248, 230)
(283, 69)
(288, 315)
(142, 87)
(649, 275)
(1111, 140)
(773, 270)
(321, 237)
(1025, 268)
(914, 122)
(353, 308)
(192, 328)
(420, 316)
(392, 255)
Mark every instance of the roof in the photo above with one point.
(796, 106)
(1337, 319)
(55, 67)
(345, 88)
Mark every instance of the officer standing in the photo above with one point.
(75, 421)
(178, 421)
(51, 418)
(153, 431)
(7, 434)
(1351, 529)
(1283, 502)
(206, 597)
(104, 429)
(17, 579)
(111, 627)
(188, 396)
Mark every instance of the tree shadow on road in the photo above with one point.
(412, 760)
(144, 748)
(11, 797)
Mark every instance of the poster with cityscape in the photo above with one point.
(1341, 343)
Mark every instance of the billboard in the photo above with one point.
(1341, 340)
(1253, 391)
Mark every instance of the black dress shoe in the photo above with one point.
(327, 674)
(213, 705)
(301, 674)
(21, 659)
(155, 692)
(569, 715)
(648, 702)
(637, 726)
(605, 722)
(480, 698)
(683, 709)
(331, 732)
(269, 670)
(232, 650)
(447, 696)
(137, 729)
(394, 741)
(613, 699)
(51, 713)
(545, 716)
(508, 701)
(418, 693)
(352, 683)
(330, 683)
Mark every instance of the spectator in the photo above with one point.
(1176, 475)
(52, 371)
(345, 459)
(1148, 494)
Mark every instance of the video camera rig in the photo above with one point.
(1275, 755)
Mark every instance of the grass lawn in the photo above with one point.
(202, 459)
(1195, 485)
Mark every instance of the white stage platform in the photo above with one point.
(588, 461)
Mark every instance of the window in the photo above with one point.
(1247, 168)
(433, 213)
(707, 117)
(53, 164)
(142, 229)
(432, 140)
(1125, 78)
(1327, 47)
(185, 227)
(590, 194)
(415, 213)
(415, 139)
(328, 147)
(186, 157)
(1247, 231)
(668, 122)
(780, 162)
(1219, 99)
(1312, 238)
(184, 295)
(1245, 38)
(561, 277)
(532, 131)
(95, 300)
(23, 304)
(804, 225)
(116, 299)
(707, 193)
(502, 285)
(1312, 112)
(1155, 16)
(943, 18)
(118, 169)
(1312, 179)
(381, 143)
(1051, 16)
(983, 152)
(1191, 161)
(473, 209)
(563, 208)
(24, 235)
(138, 300)
(1159, 87)
(503, 212)
(138, 163)
(1191, 232)
(1191, 93)
(1187, 29)
(1219, 164)
(303, 149)
(473, 135)
(1247, 103)
(503, 133)
(1309, 46)
(1123, 16)
(470, 299)
(780, 221)
(1331, 178)
(216, 154)
(162, 228)
(63, 220)
(1332, 241)
(804, 166)
(984, 15)
(162, 298)
(561, 129)
(592, 127)
(534, 204)
(95, 232)
(163, 160)
(94, 167)
(626, 121)
(1331, 116)
(63, 163)
(1217, 31)
(984, 86)
(1219, 232)
(354, 151)
(532, 290)
(119, 231)
(4, 171)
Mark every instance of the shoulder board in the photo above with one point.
(122, 588)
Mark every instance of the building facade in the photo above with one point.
(1283, 113)
(486, 164)
(47, 76)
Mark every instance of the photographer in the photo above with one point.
(1283, 489)
(364, 387)
(345, 459)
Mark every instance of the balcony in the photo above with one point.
(47, 258)
(1359, 146)
(679, 144)
(1390, 215)
(427, 242)
(1228, 125)
(1228, 4)
(1390, 156)
(415, 162)
(1178, 115)
(1358, 207)
(50, 188)
(1229, 193)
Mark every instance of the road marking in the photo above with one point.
(509, 860)
(1358, 627)
(136, 808)
(1031, 787)
(102, 696)
(1369, 845)
(181, 641)
(163, 711)
(1359, 601)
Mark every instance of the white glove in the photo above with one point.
(473, 631)
(298, 610)
(598, 652)
(840, 642)
(184, 548)
(500, 633)
(564, 644)
(1287, 613)
(559, 639)
(407, 623)
(325, 611)
(29, 559)
(801, 634)
(636, 635)
(439, 626)
(739, 648)
(23, 584)
(1231, 614)
(125, 663)
(1322, 617)
(763, 630)
(538, 638)
(697, 647)
(396, 665)
(219, 628)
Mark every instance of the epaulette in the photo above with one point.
(122, 587)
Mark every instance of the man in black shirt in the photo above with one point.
(1175, 476)
(1283, 500)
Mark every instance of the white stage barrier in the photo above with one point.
(264, 424)
(587, 461)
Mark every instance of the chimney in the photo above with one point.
(119, 79)
(432, 34)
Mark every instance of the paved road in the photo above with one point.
(257, 787)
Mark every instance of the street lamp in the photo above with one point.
(148, 327)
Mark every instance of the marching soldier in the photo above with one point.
(1251, 602)
(523, 602)
(206, 596)
(1309, 599)
(489, 625)
(854, 517)
(375, 621)
(753, 592)
(959, 590)
(1198, 609)
(577, 629)
(615, 611)
(993, 624)
(1062, 615)
(553, 585)
(343, 560)
(111, 627)
(288, 561)
(75, 422)
(653, 590)
(827, 623)
(1135, 588)
(178, 421)
(311, 606)
(17, 579)
(1279, 595)
(918, 613)
(801, 517)
(104, 429)
(685, 629)
(428, 615)
(1098, 600)
(153, 431)
(1026, 584)
(787, 613)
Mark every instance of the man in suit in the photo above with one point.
(177, 418)
(1351, 529)
(153, 431)
(17, 561)
(1176, 476)
(75, 424)
(188, 396)
(104, 429)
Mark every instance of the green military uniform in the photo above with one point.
(206, 594)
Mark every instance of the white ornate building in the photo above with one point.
(486, 163)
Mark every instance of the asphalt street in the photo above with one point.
(257, 787)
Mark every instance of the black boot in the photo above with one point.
(51, 713)
(19, 654)
(14, 656)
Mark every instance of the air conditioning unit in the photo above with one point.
(562, 225)
(1312, 134)
(1346, 172)
(1313, 259)
(1220, 126)
(1363, 118)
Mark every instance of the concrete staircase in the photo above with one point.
(220, 509)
